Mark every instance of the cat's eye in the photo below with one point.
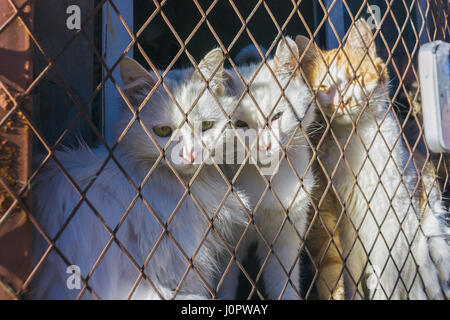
(277, 116)
(241, 124)
(323, 87)
(163, 131)
(206, 125)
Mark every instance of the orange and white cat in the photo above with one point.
(394, 247)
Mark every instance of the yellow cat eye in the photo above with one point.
(163, 131)
(241, 124)
(323, 87)
(206, 125)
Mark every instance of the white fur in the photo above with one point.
(392, 237)
(269, 215)
(111, 194)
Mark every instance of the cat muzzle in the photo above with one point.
(188, 154)
(264, 146)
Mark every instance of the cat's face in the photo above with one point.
(285, 112)
(165, 119)
(353, 78)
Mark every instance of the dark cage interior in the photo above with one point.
(63, 91)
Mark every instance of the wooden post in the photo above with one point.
(15, 146)
(115, 41)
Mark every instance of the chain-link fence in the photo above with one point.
(352, 210)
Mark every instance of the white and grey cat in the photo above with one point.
(188, 236)
(279, 238)
(393, 246)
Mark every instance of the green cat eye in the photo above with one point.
(163, 131)
(241, 124)
(277, 116)
(206, 125)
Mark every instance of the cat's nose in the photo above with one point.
(339, 100)
(264, 142)
(343, 105)
(188, 154)
(264, 146)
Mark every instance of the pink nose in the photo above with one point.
(188, 154)
(264, 147)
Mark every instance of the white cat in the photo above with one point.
(287, 115)
(189, 236)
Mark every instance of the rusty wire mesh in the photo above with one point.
(433, 17)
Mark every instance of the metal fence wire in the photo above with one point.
(318, 244)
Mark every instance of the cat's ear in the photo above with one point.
(360, 37)
(286, 56)
(137, 81)
(309, 50)
(213, 62)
